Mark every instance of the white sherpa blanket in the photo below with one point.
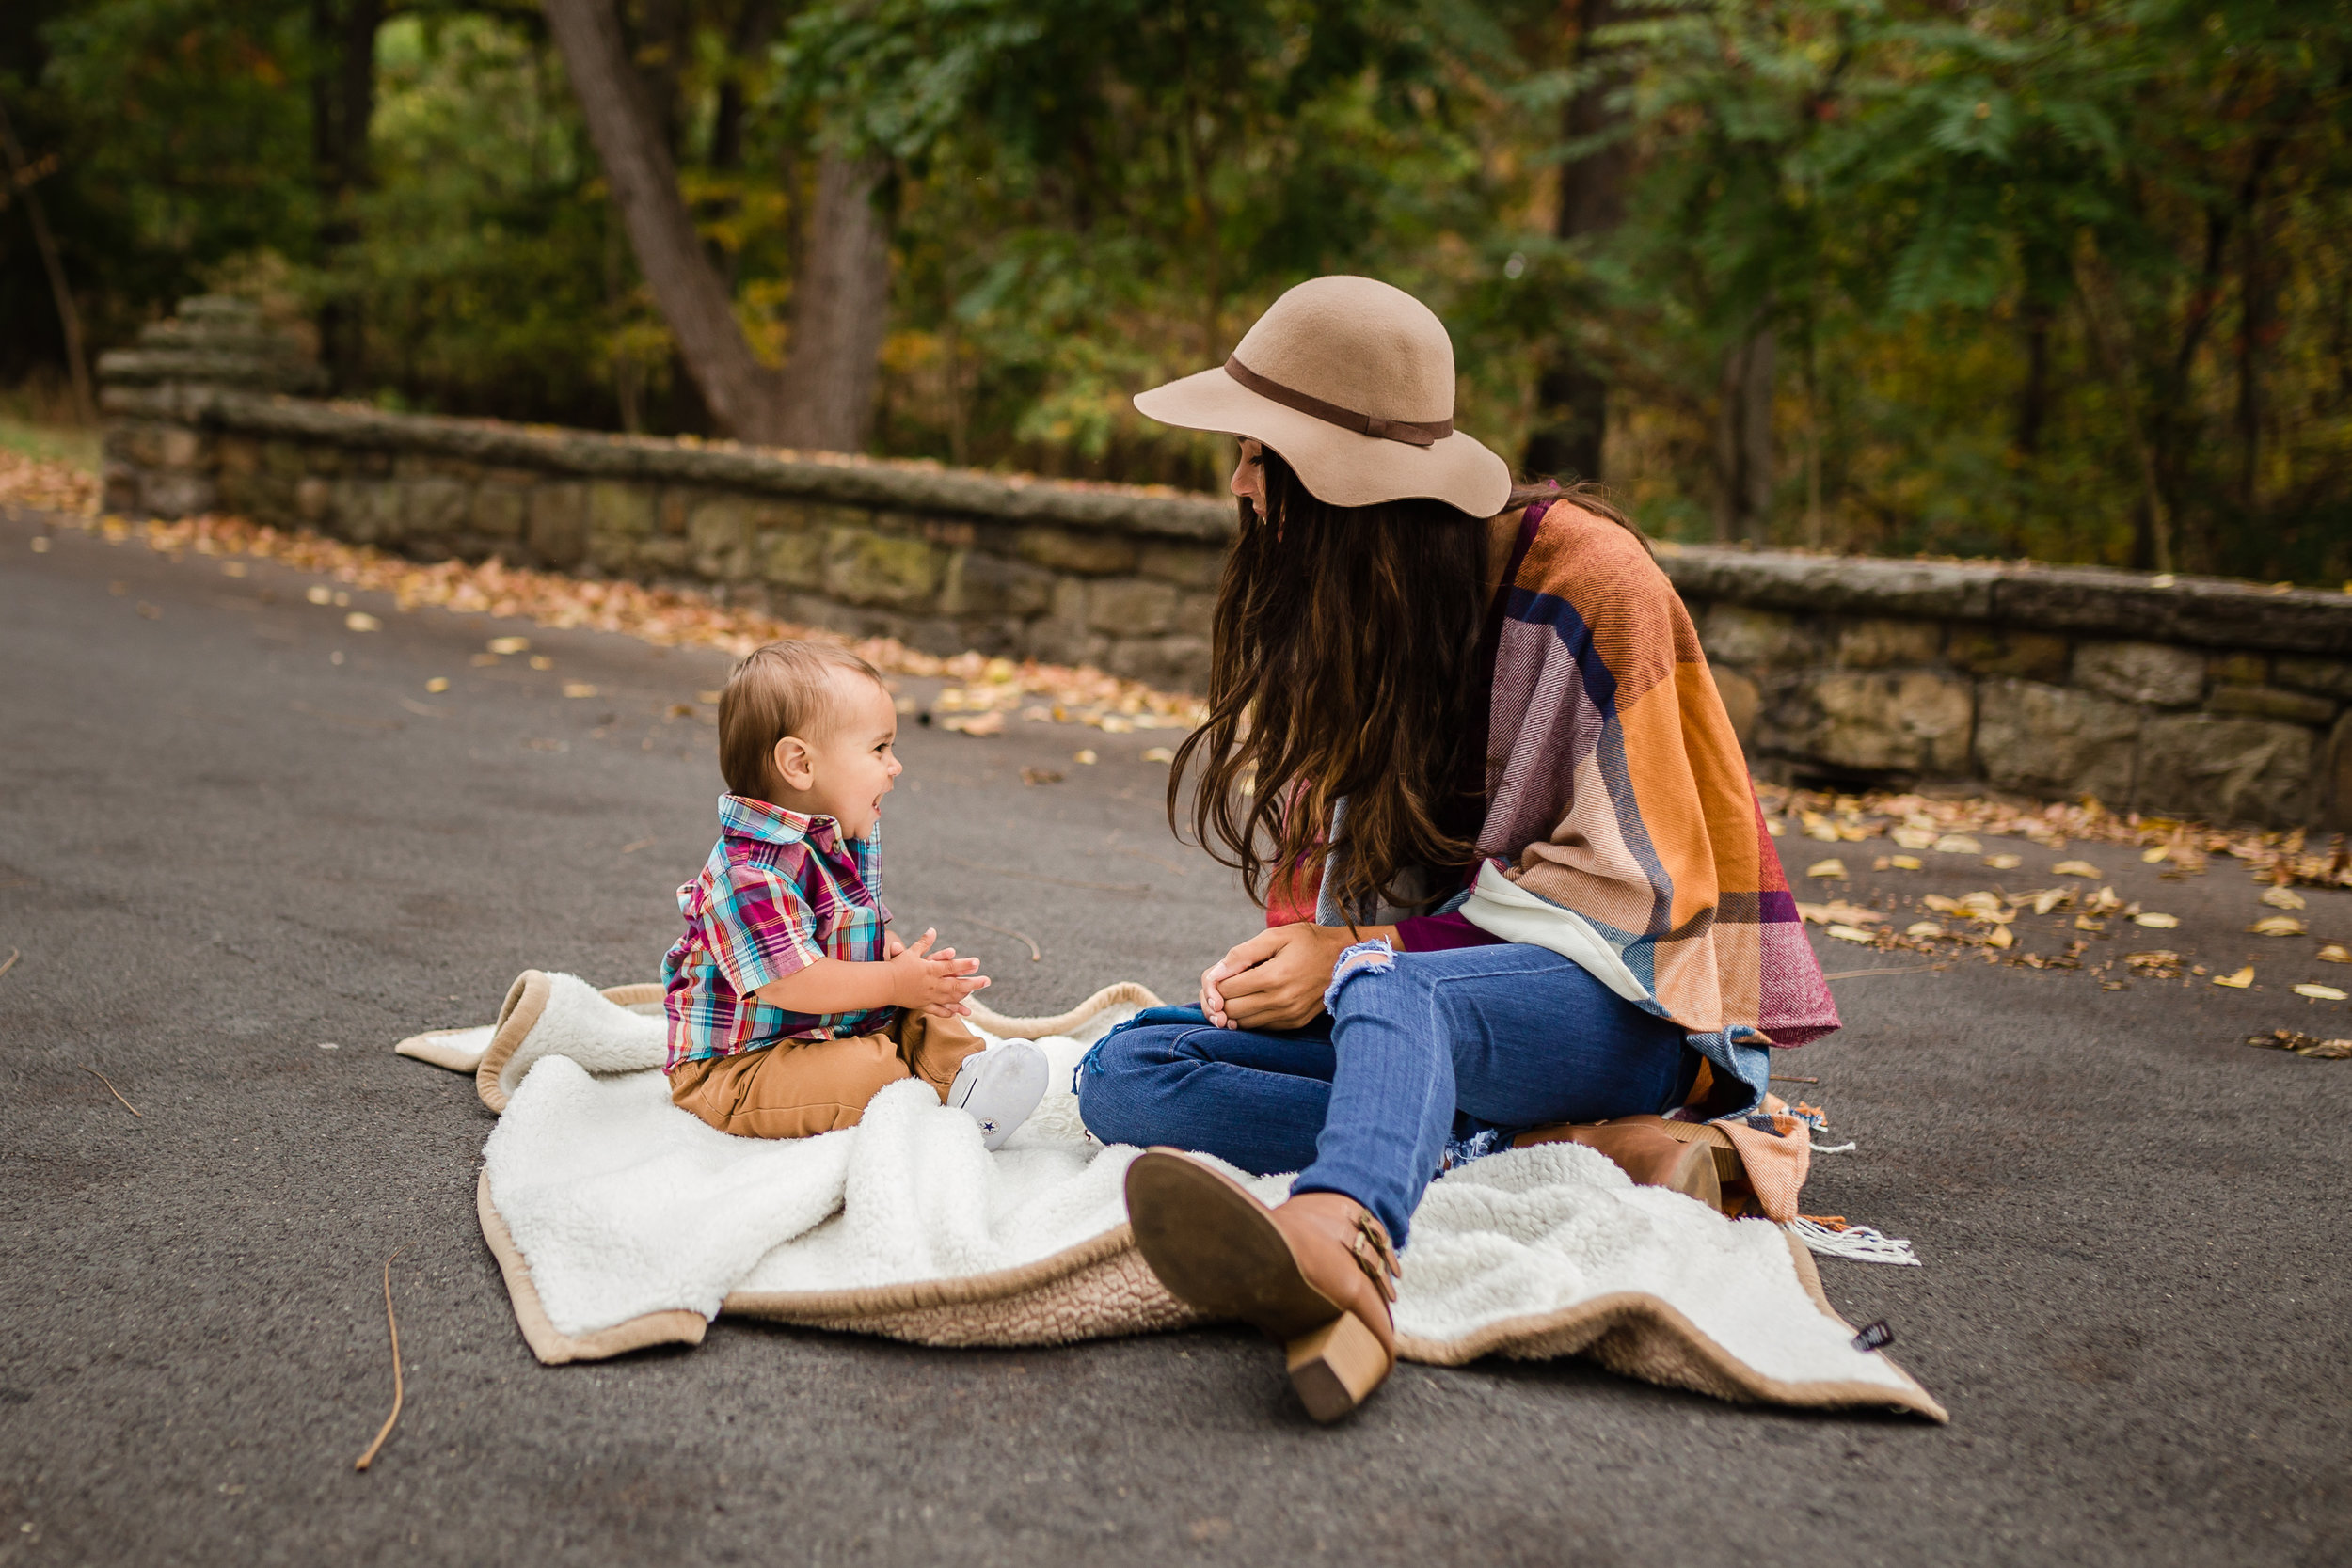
(621, 1221)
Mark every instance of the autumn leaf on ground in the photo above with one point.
(1837, 911)
(1040, 776)
(359, 619)
(2074, 868)
(2318, 993)
(2004, 862)
(509, 644)
(1923, 929)
(2161, 922)
(991, 722)
(2276, 925)
(2239, 981)
(1853, 933)
(1942, 905)
(1832, 870)
(2335, 953)
(1915, 838)
(1905, 862)
(2303, 1044)
(2283, 898)
(1957, 843)
(1998, 937)
(578, 688)
(2050, 898)
(2103, 902)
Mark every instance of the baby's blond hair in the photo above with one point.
(785, 689)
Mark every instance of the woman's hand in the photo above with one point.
(1276, 980)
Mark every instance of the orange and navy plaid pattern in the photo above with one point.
(779, 892)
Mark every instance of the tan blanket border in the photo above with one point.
(1101, 1288)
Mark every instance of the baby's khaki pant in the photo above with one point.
(798, 1091)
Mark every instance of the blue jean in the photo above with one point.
(1361, 1101)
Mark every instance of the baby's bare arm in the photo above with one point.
(916, 978)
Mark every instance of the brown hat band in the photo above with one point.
(1424, 433)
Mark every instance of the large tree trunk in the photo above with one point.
(342, 108)
(840, 309)
(1571, 391)
(744, 396)
(1743, 440)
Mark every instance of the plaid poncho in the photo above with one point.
(1621, 827)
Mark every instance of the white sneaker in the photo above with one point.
(998, 1087)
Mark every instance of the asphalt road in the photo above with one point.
(233, 832)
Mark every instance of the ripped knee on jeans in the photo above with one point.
(1375, 957)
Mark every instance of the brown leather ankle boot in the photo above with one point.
(1645, 1150)
(1317, 1273)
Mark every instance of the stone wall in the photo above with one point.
(2187, 696)
(2156, 694)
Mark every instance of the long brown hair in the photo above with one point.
(1343, 664)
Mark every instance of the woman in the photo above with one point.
(1464, 747)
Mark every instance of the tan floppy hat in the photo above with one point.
(1351, 380)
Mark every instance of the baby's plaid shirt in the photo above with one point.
(779, 892)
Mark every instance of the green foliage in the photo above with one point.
(2066, 280)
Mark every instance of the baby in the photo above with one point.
(789, 1004)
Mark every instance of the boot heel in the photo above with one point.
(1337, 1367)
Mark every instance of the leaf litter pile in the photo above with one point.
(988, 693)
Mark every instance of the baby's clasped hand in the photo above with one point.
(934, 983)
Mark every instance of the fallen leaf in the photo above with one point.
(1985, 905)
(509, 644)
(2239, 981)
(1915, 838)
(578, 688)
(318, 592)
(439, 683)
(1158, 753)
(1819, 827)
(991, 722)
(2303, 1044)
(2161, 922)
(1904, 863)
(710, 699)
(2103, 902)
(2004, 862)
(1084, 756)
(2335, 953)
(2283, 898)
(1837, 911)
(540, 661)
(2074, 868)
(1998, 937)
(1041, 776)
(1776, 827)
(2050, 898)
(2319, 993)
(1832, 870)
(1957, 843)
(2084, 922)
(1853, 933)
(2150, 857)
(359, 619)
(1923, 929)
(2276, 925)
